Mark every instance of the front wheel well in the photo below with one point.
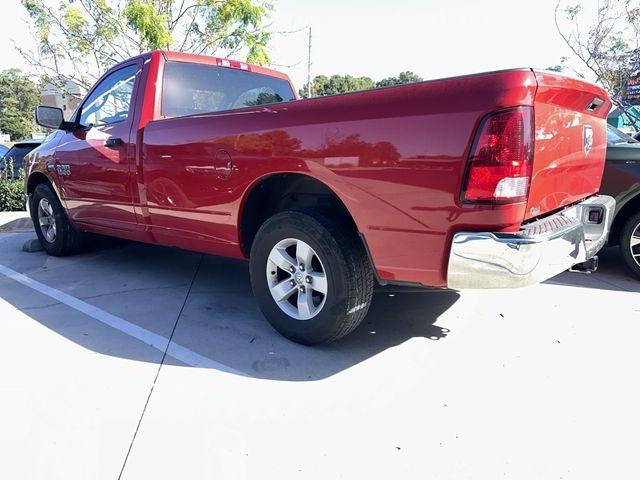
(631, 207)
(288, 191)
(34, 180)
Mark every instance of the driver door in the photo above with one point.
(96, 161)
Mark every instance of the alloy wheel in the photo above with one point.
(47, 220)
(297, 279)
(634, 244)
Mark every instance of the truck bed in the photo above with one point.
(396, 157)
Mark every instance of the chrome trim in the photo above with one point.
(587, 139)
(509, 260)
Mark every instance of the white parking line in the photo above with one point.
(153, 339)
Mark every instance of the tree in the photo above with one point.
(18, 99)
(79, 39)
(609, 47)
(559, 67)
(323, 85)
(335, 84)
(402, 79)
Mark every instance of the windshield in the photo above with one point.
(615, 136)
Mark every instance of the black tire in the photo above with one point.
(630, 230)
(67, 239)
(349, 275)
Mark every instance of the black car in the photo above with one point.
(13, 161)
(622, 181)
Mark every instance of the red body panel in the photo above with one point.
(101, 190)
(562, 172)
(396, 157)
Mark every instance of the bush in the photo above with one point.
(11, 195)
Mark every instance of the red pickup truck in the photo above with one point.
(481, 181)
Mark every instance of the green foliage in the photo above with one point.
(402, 79)
(560, 67)
(572, 11)
(335, 84)
(323, 85)
(152, 25)
(80, 39)
(264, 98)
(18, 99)
(11, 195)
(11, 189)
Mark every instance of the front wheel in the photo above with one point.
(630, 243)
(56, 234)
(311, 276)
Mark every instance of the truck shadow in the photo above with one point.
(218, 319)
(612, 274)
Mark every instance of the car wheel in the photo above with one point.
(630, 243)
(57, 236)
(311, 276)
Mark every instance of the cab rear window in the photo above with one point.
(190, 89)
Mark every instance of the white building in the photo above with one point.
(67, 100)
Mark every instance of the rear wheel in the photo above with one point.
(57, 236)
(311, 276)
(630, 243)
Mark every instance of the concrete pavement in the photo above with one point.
(136, 361)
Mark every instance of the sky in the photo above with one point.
(433, 38)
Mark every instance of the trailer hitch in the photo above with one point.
(587, 267)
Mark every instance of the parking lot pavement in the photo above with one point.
(138, 361)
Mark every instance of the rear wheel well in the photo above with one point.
(631, 207)
(285, 192)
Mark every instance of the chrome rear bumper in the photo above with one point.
(539, 251)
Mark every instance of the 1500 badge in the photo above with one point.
(63, 170)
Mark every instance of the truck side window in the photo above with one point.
(109, 102)
(190, 89)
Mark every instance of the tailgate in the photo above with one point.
(570, 142)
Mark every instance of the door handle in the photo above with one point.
(113, 142)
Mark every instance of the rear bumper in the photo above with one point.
(539, 251)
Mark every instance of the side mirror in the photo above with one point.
(52, 117)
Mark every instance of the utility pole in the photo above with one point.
(309, 68)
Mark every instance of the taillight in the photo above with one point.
(500, 161)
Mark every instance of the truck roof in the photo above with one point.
(170, 55)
